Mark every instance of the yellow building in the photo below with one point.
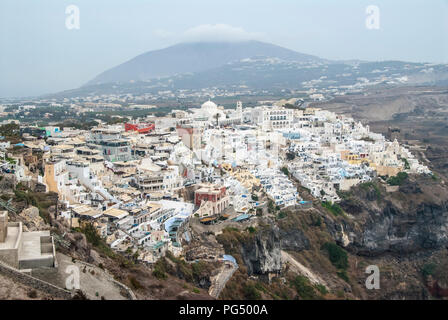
(246, 178)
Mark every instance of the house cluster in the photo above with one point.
(333, 152)
(140, 183)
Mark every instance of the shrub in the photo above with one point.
(231, 239)
(398, 179)
(343, 275)
(159, 274)
(406, 164)
(251, 293)
(316, 221)
(32, 294)
(160, 270)
(290, 156)
(271, 206)
(135, 283)
(321, 288)
(251, 229)
(371, 185)
(334, 208)
(282, 214)
(304, 288)
(91, 234)
(79, 295)
(285, 171)
(428, 269)
(337, 255)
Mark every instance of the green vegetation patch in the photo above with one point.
(95, 239)
(428, 269)
(37, 199)
(232, 239)
(369, 186)
(321, 288)
(251, 229)
(334, 208)
(343, 275)
(337, 255)
(406, 163)
(285, 171)
(398, 179)
(304, 288)
(251, 292)
(161, 269)
(282, 214)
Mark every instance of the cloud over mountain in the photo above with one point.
(210, 32)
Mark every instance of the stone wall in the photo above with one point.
(10, 256)
(17, 276)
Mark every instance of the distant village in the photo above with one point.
(140, 183)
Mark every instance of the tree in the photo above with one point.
(217, 116)
(337, 255)
(398, 180)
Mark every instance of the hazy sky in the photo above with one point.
(39, 55)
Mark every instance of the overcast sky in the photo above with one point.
(39, 55)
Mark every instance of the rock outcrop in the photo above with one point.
(263, 254)
(412, 219)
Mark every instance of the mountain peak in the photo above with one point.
(191, 57)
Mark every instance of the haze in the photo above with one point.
(40, 55)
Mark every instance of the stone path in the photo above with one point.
(300, 268)
(220, 280)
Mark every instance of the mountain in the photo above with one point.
(195, 57)
(250, 67)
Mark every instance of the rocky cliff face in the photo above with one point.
(411, 219)
(403, 231)
(263, 254)
(293, 239)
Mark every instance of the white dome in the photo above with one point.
(209, 105)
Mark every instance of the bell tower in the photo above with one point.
(239, 106)
(239, 110)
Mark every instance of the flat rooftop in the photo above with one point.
(31, 245)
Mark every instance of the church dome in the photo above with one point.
(209, 105)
